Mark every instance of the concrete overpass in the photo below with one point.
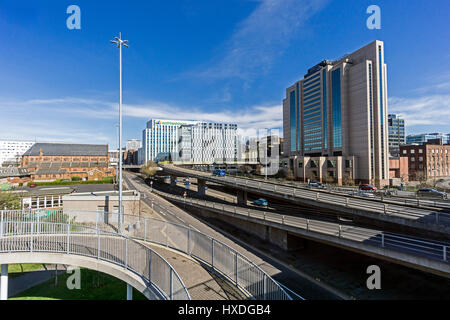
(429, 256)
(361, 209)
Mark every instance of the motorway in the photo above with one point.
(318, 198)
(295, 280)
(368, 237)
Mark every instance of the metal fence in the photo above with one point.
(27, 233)
(238, 269)
(430, 249)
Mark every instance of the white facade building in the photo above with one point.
(207, 143)
(11, 150)
(159, 140)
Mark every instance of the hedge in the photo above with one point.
(107, 180)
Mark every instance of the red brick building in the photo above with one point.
(50, 161)
(398, 168)
(427, 161)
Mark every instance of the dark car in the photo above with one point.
(367, 187)
(316, 185)
(261, 202)
(431, 193)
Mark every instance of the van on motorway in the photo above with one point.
(219, 173)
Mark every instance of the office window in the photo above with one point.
(348, 163)
(300, 164)
(324, 77)
(336, 104)
(404, 151)
(292, 118)
(412, 151)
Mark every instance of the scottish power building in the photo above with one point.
(208, 143)
(189, 142)
(159, 140)
(335, 119)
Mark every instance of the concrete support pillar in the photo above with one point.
(129, 292)
(242, 197)
(201, 184)
(4, 282)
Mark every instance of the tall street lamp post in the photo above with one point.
(119, 42)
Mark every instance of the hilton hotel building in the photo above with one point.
(335, 119)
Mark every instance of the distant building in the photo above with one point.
(133, 144)
(11, 151)
(50, 161)
(426, 137)
(14, 175)
(159, 139)
(427, 161)
(396, 130)
(398, 170)
(335, 119)
(207, 143)
(130, 156)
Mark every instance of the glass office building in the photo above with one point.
(339, 109)
(425, 137)
(396, 131)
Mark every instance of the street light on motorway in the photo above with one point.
(119, 42)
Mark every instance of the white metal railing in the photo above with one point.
(238, 269)
(25, 233)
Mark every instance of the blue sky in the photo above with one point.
(223, 60)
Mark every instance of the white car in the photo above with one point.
(362, 194)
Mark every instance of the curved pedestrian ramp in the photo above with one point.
(146, 253)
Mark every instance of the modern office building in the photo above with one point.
(396, 131)
(208, 143)
(159, 139)
(425, 137)
(335, 119)
(11, 151)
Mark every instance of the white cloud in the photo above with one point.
(260, 38)
(424, 110)
(66, 119)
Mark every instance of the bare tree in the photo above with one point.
(347, 180)
(149, 169)
(290, 175)
(328, 179)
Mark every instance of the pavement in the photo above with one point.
(200, 283)
(31, 279)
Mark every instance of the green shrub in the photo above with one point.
(20, 184)
(76, 178)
